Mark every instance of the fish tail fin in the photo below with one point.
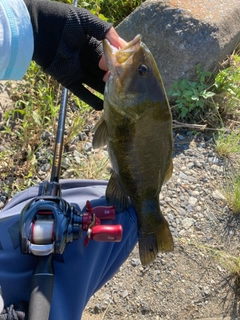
(151, 244)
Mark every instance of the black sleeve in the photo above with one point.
(48, 21)
(67, 46)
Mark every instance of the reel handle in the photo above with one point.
(106, 233)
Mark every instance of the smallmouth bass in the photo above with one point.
(136, 126)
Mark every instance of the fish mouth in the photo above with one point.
(116, 58)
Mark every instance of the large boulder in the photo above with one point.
(183, 33)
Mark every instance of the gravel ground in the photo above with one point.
(192, 282)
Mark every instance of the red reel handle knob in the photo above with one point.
(107, 233)
(104, 213)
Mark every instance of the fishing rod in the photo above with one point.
(48, 222)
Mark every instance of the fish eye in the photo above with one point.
(143, 69)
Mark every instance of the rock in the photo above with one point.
(3, 149)
(187, 223)
(217, 195)
(46, 135)
(192, 201)
(72, 147)
(135, 262)
(77, 156)
(124, 294)
(88, 146)
(183, 176)
(183, 33)
(46, 167)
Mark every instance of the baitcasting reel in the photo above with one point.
(48, 223)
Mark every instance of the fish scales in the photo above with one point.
(137, 128)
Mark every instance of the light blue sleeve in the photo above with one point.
(16, 39)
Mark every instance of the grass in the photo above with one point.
(191, 96)
(111, 10)
(30, 125)
(227, 143)
(226, 260)
(215, 101)
(30, 129)
(232, 191)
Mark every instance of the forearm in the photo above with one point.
(50, 20)
(62, 39)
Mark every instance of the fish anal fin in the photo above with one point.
(100, 134)
(115, 195)
(169, 172)
(151, 244)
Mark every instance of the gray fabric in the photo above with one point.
(81, 271)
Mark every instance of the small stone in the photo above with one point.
(82, 136)
(195, 193)
(192, 201)
(206, 290)
(197, 164)
(135, 262)
(220, 269)
(180, 137)
(183, 176)
(190, 165)
(65, 163)
(72, 147)
(181, 211)
(77, 156)
(46, 167)
(124, 294)
(187, 222)
(46, 135)
(88, 146)
(213, 159)
(218, 195)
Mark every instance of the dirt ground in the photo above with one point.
(197, 280)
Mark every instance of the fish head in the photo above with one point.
(134, 76)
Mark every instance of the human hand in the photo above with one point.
(68, 46)
(116, 41)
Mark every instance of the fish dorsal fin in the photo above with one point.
(100, 134)
(115, 195)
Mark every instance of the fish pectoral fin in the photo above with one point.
(100, 134)
(169, 172)
(151, 244)
(115, 195)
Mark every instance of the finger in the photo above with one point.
(103, 64)
(115, 39)
(105, 77)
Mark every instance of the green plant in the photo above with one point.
(228, 261)
(228, 80)
(117, 10)
(36, 109)
(191, 96)
(227, 143)
(232, 193)
(111, 10)
(227, 86)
